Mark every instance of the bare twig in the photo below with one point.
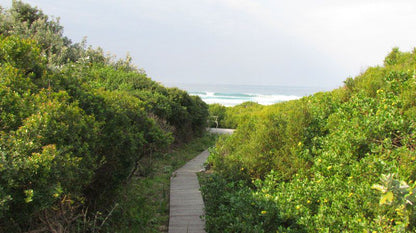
(108, 215)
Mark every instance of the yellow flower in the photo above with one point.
(298, 207)
(350, 195)
(309, 201)
(300, 144)
(242, 169)
(263, 212)
(329, 167)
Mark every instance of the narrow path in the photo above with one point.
(186, 204)
(221, 131)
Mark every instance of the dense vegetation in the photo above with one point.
(143, 205)
(230, 117)
(76, 125)
(340, 161)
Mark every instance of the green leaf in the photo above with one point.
(386, 198)
(29, 195)
(380, 188)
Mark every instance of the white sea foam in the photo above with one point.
(232, 99)
(272, 99)
(234, 94)
(210, 94)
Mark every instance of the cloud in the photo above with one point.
(274, 41)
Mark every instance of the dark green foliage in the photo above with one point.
(76, 126)
(319, 161)
(189, 114)
(232, 208)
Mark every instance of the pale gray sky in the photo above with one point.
(298, 42)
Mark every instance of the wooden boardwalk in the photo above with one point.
(186, 204)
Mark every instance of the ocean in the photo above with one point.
(231, 95)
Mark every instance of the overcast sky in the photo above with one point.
(265, 42)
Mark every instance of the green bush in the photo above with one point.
(76, 126)
(315, 160)
(50, 156)
(217, 116)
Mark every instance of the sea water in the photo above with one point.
(231, 95)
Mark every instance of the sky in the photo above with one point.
(249, 42)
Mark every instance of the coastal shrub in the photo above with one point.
(29, 22)
(48, 158)
(217, 116)
(76, 126)
(186, 115)
(189, 114)
(127, 131)
(15, 98)
(232, 117)
(257, 153)
(240, 113)
(325, 163)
